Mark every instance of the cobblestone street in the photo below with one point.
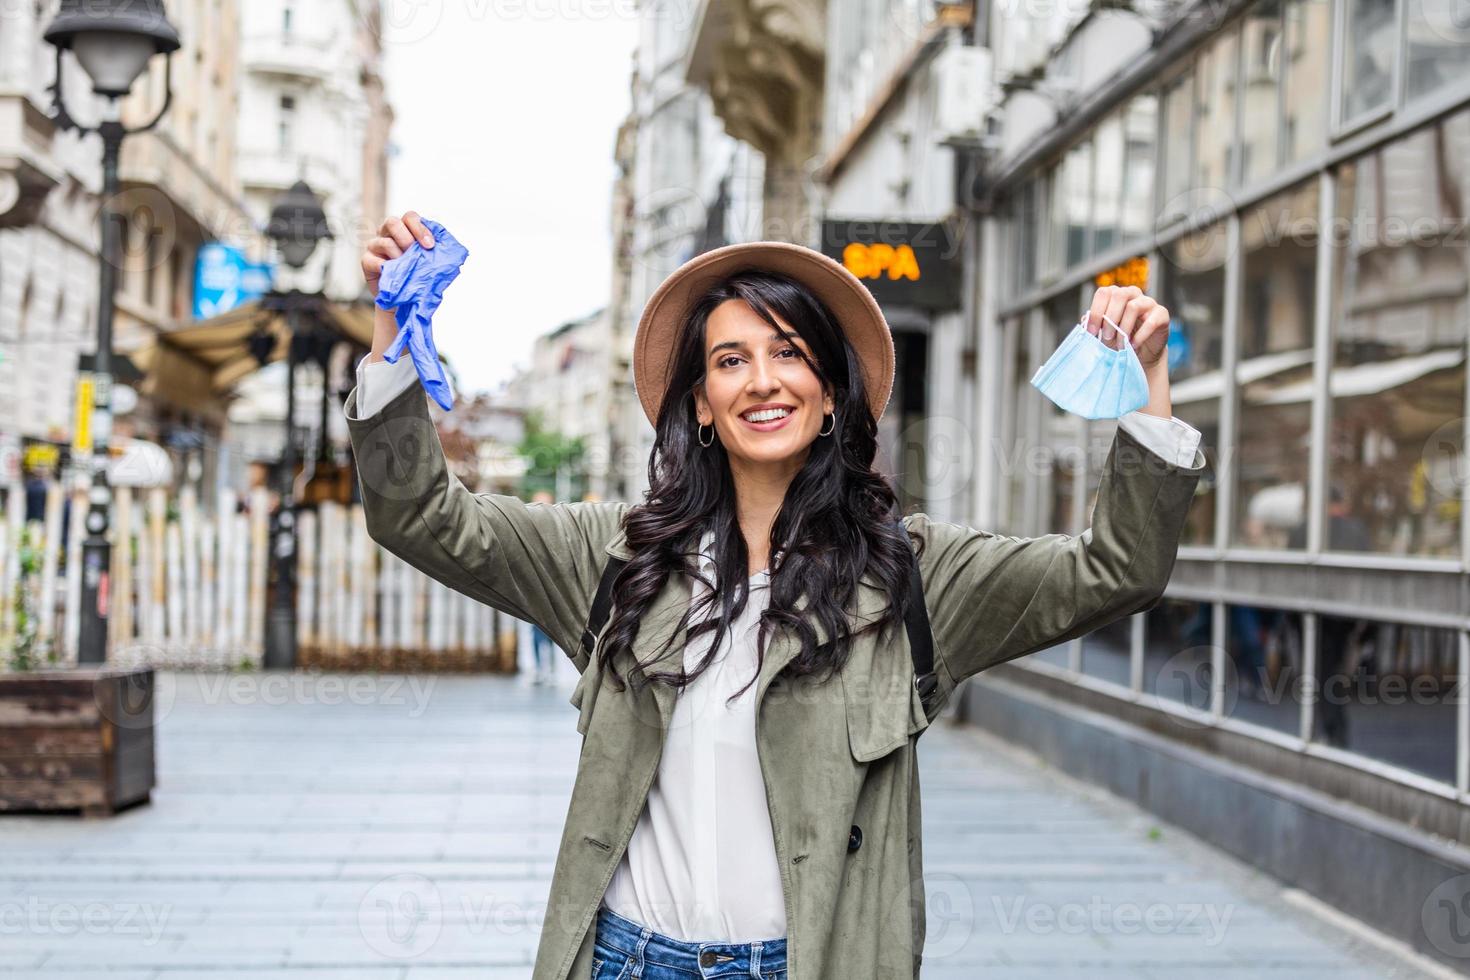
(407, 826)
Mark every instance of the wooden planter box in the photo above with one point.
(77, 739)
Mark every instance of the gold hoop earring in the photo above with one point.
(833, 427)
(700, 435)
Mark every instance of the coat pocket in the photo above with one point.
(884, 710)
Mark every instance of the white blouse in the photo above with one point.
(701, 865)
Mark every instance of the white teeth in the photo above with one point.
(767, 415)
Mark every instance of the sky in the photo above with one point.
(506, 112)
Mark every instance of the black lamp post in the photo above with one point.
(297, 225)
(113, 41)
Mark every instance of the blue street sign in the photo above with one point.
(225, 279)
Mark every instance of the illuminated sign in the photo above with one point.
(1134, 272)
(902, 263)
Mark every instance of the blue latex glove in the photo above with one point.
(415, 283)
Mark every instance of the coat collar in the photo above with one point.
(663, 615)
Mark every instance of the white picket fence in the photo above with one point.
(191, 588)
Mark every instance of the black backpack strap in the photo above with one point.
(921, 637)
(601, 604)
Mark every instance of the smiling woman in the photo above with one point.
(747, 793)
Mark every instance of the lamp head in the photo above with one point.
(297, 224)
(113, 40)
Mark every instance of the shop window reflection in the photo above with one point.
(1194, 293)
(1140, 125)
(1438, 44)
(1367, 57)
(1177, 652)
(1396, 453)
(1106, 652)
(1274, 372)
(1308, 48)
(1214, 133)
(1108, 170)
(1385, 690)
(1263, 655)
(1178, 126)
(1073, 203)
(1261, 50)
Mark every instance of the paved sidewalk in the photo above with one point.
(351, 826)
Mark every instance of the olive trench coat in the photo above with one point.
(838, 757)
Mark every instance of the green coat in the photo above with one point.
(834, 755)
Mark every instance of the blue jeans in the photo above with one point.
(627, 950)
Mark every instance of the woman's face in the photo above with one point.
(749, 366)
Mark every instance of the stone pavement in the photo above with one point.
(365, 827)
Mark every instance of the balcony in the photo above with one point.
(289, 55)
(27, 171)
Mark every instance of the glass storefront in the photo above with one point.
(1401, 280)
(1364, 255)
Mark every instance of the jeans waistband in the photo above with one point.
(757, 958)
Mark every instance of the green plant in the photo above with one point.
(548, 453)
(26, 647)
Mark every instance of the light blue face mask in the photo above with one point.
(1087, 377)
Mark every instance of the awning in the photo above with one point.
(194, 365)
(1211, 384)
(1368, 379)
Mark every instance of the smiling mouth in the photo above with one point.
(767, 423)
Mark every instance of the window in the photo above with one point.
(1398, 368)
(1177, 652)
(1027, 217)
(1261, 54)
(286, 124)
(1214, 150)
(1274, 372)
(1438, 38)
(1386, 690)
(1107, 652)
(1178, 123)
(1369, 39)
(1194, 292)
(1140, 127)
(1074, 203)
(1263, 667)
(1308, 41)
(1108, 180)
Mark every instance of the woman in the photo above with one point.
(747, 799)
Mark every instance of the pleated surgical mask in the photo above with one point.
(1087, 377)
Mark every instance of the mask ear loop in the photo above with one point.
(1115, 327)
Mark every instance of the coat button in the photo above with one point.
(707, 958)
(854, 838)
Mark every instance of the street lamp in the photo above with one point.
(297, 225)
(113, 41)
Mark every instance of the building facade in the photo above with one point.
(687, 186)
(1308, 240)
(1288, 178)
(179, 189)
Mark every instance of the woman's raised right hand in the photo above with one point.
(394, 238)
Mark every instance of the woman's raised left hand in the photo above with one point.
(1140, 316)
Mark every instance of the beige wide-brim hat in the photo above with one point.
(850, 302)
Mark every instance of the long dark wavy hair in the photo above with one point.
(836, 523)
